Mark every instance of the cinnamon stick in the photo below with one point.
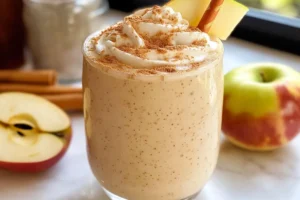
(42, 77)
(209, 15)
(67, 102)
(39, 89)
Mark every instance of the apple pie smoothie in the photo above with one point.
(153, 93)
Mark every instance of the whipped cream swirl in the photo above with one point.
(153, 37)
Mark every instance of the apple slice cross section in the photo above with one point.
(35, 148)
(34, 133)
(30, 109)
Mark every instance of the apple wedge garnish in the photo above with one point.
(34, 133)
(192, 10)
(228, 17)
(221, 19)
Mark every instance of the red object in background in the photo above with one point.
(12, 36)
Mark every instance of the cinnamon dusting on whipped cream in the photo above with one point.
(151, 41)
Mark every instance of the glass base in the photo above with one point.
(115, 197)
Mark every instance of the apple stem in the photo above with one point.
(262, 75)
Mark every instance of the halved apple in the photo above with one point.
(34, 133)
(191, 10)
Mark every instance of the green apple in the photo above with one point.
(261, 109)
(290, 11)
(276, 4)
(34, 133)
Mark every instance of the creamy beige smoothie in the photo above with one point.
(153, 92)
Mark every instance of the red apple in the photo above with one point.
(34, 133)
(261, 109)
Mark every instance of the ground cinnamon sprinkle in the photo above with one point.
(161, 43)
(108, 59)
(161, 50)
(178, 47)
(178, 56)
(202, 42)
(140, 52)
(146, 71)
(168, 69)
(95, 40)
(117, 27)
(159, 40)
(173, 19)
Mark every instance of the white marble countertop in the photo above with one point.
(240, 175)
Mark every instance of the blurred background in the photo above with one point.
(37, 35)
(287, 8)
(48, 34)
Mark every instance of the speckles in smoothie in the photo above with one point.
(145, 137)
(130, 91)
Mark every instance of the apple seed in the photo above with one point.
(23, 126)
(20, 134)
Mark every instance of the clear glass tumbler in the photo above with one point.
(153, 138)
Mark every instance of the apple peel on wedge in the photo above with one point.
(34, 133)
